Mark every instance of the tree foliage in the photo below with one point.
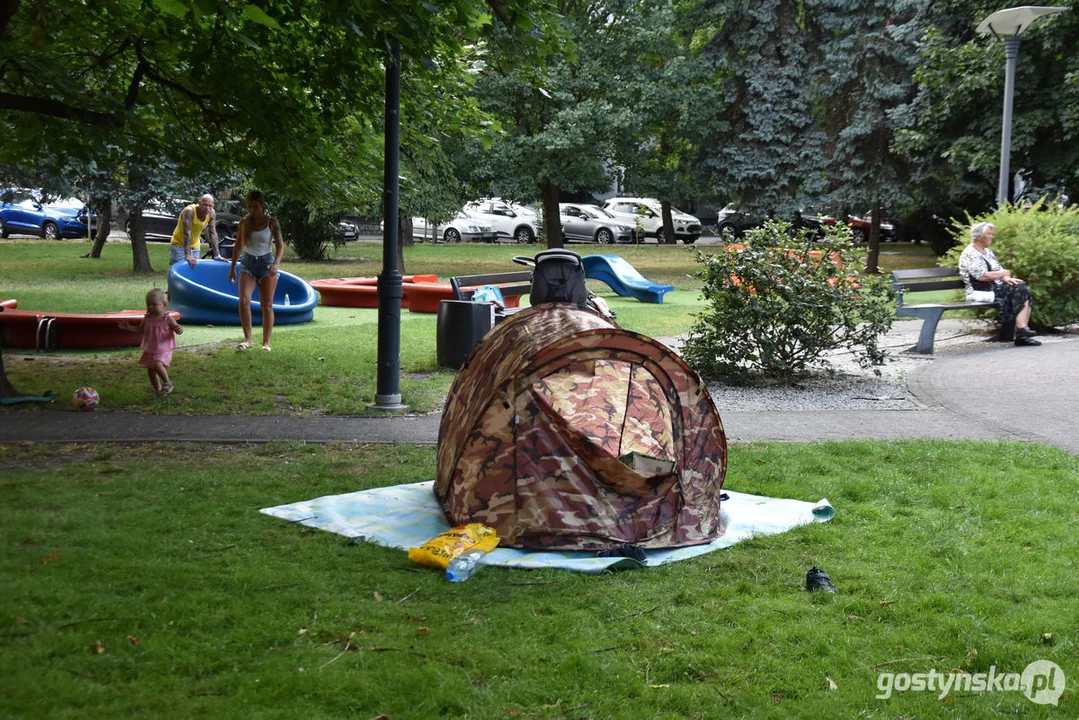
(954, 142)
(769, 152)
(288, 92)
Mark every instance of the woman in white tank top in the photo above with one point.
(259, 248)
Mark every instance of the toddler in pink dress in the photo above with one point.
(159, 331)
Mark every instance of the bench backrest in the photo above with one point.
(510, 283)
(925, 280)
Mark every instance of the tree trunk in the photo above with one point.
(668, 223)
(872, 260)
(104, 225)
(552, 222)
(139, 254)
(404, 239)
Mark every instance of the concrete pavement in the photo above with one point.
(988, 391)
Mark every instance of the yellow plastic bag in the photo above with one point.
(439, 550)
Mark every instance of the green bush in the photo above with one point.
(309, 232)
(775, 307)
(1039, 245)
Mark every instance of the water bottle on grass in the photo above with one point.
(465, 565)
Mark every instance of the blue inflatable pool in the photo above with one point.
(203, 295)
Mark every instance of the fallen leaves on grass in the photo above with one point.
(98, 647)
(51, 558)
(134, 640)
(831, 683)
(886, 603)
(378, 597)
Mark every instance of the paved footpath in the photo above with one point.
(993, 391)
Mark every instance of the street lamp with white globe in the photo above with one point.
(1007, 25)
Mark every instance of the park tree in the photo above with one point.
(672, 93)
(953, 142)
(866, 54)
(766, 152)
(290, 92)
(561, 122)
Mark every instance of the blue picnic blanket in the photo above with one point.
(404, 516)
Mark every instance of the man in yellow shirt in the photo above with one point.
(185, 238)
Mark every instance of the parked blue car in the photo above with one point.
(23, 213)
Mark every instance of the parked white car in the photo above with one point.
(507, 222)
(516, 207)
(463, 227)
(646, 214)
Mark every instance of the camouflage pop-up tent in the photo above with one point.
(563, 431)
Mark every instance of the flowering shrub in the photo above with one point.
(780, 301)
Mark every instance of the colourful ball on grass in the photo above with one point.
(85, 399)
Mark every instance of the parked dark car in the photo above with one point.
(159, 221)
(23, 212)
(733, 223)
(348, 231)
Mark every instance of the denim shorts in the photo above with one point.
(257, 266)
(176, 254)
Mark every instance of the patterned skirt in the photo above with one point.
(1011, 299)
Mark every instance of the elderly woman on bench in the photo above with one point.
(987, 281)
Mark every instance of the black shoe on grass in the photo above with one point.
(819, 580)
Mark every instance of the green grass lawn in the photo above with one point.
(143, 582)
(327, 366)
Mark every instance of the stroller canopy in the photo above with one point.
(564, 431)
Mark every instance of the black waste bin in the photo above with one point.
(461, 326)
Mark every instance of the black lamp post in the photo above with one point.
(388, 387)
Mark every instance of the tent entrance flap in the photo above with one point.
(617, 404)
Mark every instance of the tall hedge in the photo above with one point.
(1040, 245)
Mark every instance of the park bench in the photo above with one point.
(511, 284)
(905, 282)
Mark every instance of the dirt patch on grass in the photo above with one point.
(56, 360)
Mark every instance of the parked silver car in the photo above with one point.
(588, 223)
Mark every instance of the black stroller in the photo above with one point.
(558, 276)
